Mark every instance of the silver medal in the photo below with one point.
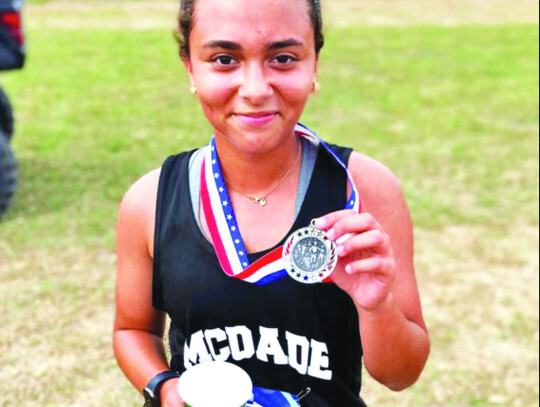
(309, 256)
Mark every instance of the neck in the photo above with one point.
(256, 172)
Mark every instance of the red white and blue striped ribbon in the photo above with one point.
(223, 227)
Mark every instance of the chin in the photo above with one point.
(260, 139)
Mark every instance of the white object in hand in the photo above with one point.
(213, 384)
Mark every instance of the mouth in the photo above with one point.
(255, 119)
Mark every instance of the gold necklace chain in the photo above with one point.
(263, 200)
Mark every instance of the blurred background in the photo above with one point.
(444, 92)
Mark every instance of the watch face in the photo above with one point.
(151, 391)
(148, 399)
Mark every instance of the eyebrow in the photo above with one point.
(234, 46)
(284, 44)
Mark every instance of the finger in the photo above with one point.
(327, 221)
(374, 240)
(359, 223)
(373, 265)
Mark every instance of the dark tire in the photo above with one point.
(6, 115)
(8, 175)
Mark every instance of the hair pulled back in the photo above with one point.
(187, 16)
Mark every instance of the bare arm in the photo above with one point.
(377, 270)
(138, 327)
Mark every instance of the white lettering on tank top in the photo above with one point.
(196, 352)
(307, 357)
(320, 362)
(215, 337)
(298, 360)
(240, 342)
(269, 346)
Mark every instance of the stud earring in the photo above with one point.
(193, 90)
(316, 86)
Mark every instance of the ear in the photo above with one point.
(316, 71)
(316, 75)
(189, 70)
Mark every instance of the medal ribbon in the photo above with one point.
(272, 398)
(223, 227)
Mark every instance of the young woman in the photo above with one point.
(253, 66)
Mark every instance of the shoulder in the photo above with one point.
(376, 181)
(136, 214)
(380, 190)
(136, 197)
(141, 198)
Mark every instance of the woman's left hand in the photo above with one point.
(366, 269)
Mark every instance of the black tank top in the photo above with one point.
(288, 336)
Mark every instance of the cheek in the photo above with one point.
(215, 103)
(214, 90)
(217, 92)
(215, 95)
(295, 89)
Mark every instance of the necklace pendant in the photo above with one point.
(309, 256)
(260, 201)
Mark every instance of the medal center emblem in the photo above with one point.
(310, 254)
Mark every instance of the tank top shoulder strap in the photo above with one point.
(343, 152)
(328, 187)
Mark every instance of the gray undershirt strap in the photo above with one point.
(309, 156)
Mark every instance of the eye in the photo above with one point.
(283, 60)
(224, 60)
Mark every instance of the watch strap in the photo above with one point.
(152, 390)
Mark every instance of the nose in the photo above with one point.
(255, 86)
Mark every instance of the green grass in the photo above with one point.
(443, 104)
(453, 111)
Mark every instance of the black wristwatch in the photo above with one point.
(151, 391)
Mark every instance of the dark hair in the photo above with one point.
(187, 15)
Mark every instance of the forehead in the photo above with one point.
(251, 20)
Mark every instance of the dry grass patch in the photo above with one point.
(429, 12)
(104, 15)
(57, 313)
(480, 294)
(140, 15)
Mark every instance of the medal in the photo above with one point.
(309, 256)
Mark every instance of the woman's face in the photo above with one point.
(254, 65)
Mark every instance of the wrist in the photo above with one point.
(153, 390)
(387, 305)
(168, 386)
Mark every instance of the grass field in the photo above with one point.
(443, 92)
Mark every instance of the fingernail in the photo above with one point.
(348, 269)
(331, 234)
(340, 250)
(320, 223)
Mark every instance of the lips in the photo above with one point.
(258, 119)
